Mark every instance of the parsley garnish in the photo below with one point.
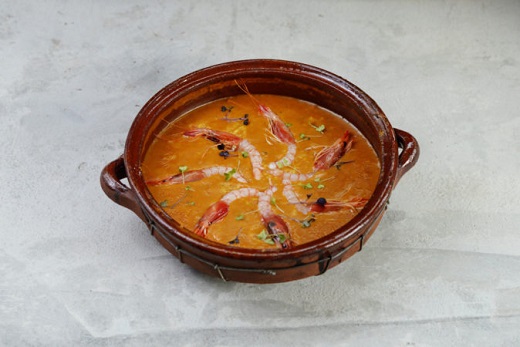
(229, 174)
(304, 137)
(269, 239)
(264, 236)
(319, 129)
(306, 223)
(307, 186)
(182, 169)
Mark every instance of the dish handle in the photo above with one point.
(116, 190)
(409, 152)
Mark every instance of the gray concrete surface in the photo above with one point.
(443, 268)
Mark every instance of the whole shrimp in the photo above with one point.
(220, 209)
(279, 129)
(321, 205)
(231, 142)
(329, 156)
(197, 175)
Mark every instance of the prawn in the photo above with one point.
(329, 156)
(275, 225)
(217, 211)
(197, 175)
(231, 142)
(321, 205)
(278, 129)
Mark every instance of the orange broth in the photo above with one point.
(187, 202)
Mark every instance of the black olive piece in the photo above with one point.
(321, 201)
(246, 122)
(221, 146)
(223, 108)
(246, 116)
(224, 154)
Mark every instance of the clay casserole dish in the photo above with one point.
(397, 151)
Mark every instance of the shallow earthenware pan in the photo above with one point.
(397, 150)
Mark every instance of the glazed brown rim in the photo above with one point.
(261, 67)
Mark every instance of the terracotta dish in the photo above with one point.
(397, 151)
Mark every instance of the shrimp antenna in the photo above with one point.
(243, 87)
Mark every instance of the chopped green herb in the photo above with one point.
(283, 162)
(245, 154)
(273, 201)
(190, 203)
(188, 188)
(182, 169)
(164, 203)
(307, 186)
(269, 241)
(288, 125)
(321, 186)
(319, 129)
(304, 137)
(281, 237)
(229, 174)
(240, 217)
(306, 223)
(264, 236)
(317, 179)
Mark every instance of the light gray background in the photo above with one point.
(443, 268)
